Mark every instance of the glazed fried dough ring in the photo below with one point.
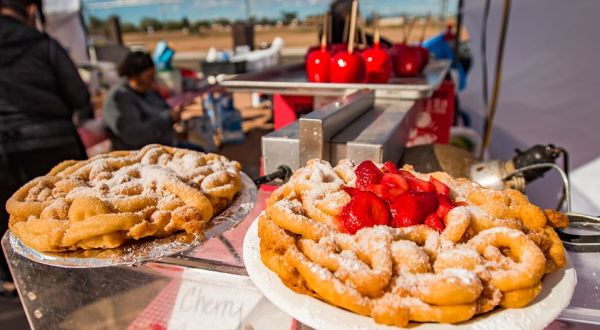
(98, 225)
(273, 246)
(41, 233)
(319, 279)
(452, 286)
(388, 310)
(288, 215)
(530, 262)
(555, 253)
(422, 312)
(106, 200)
(408, 257)
(520, 298)
(458, 221)
(17, 207)
(369, 270)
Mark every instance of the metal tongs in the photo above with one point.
(580, 242)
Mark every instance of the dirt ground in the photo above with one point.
(298, 37)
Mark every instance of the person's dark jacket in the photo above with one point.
(40, 91)
(340, 10)
(134, 120)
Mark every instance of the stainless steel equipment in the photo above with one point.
(366, 121)
(318, 127)
(291, 80)
(492, 174)
(357, 126)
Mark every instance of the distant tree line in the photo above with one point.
(150, 23)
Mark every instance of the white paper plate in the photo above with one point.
(558, 288)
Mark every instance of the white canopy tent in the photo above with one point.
(63, 23)
(550, 88)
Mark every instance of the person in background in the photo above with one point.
(134, 114)
(41, 94)
(340, 11)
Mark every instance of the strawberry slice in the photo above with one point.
(445, 205)
(378, 189)
(428, 202)
(350, 190)
(394, 185)
(405, 211)
(434, 222)
(367, 173)
(440, 187)
(390, 167)
(412, 207)
(365, 209)
(419, 185)
(405, 174)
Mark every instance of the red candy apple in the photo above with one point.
(317, 65)
(318, 58)
(378, 65)
(337, 48)
(348, 66)
(424, 56)
(407, 60)
(312, 49)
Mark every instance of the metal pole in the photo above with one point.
(443, 10)
(247, 10)
(459, 19)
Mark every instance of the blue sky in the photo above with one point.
(134, 10)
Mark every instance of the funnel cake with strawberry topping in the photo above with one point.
(401, 246)
(110, 199)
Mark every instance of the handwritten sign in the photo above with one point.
(211, 300)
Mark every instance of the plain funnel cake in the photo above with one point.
(401, 246)
(110, 199)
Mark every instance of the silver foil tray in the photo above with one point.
(291, 80)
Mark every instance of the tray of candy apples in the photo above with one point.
(376, 64)
(401, 71)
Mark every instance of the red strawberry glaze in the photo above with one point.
(365, 209)
(434, 222)
(394, 197)
(394, 185)
(390, 167)
(440, 187)
(417, 184)
(367, 173)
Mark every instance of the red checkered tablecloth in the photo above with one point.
(157, 314)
